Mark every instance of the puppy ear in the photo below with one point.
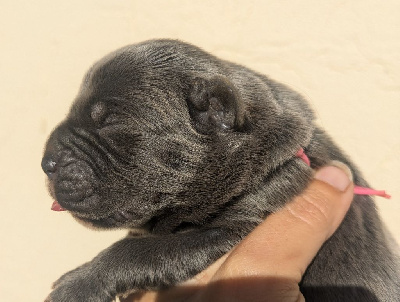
(215, 105)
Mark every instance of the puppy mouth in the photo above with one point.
(74, 189)
(118, 218)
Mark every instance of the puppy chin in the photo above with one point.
(88, 224)
(93, 224)
(110, 222)
(133, 231)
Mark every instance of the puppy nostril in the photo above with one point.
(49, 166)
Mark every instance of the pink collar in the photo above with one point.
(357, 189)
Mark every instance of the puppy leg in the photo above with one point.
(144, 263)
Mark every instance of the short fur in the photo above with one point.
(190, 153)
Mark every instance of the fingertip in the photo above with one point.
(337, 175)
(339, 194)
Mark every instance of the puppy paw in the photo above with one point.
(78, 285)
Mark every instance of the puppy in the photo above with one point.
(189, 153)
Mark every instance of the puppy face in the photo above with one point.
(161, 135)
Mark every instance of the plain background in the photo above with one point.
(343, 55)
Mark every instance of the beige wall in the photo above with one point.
(343, 55)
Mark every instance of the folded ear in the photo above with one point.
(215, 105)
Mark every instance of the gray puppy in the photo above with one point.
(190, 153)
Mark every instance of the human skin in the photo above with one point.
(270, 262)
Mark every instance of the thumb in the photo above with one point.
(287, 241)
(322, 206)
(340, 178)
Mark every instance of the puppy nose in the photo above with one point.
(49, 166)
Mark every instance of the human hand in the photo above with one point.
(270, 262)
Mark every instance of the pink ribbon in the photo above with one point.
(357, 189)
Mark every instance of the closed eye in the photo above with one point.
(108, 113)
(110, 120)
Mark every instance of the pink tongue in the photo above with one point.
(56, 206)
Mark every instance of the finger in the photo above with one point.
(285, 244)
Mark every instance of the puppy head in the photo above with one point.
(162, 134)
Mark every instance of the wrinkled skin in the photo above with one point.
(189, 153)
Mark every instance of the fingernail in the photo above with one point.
(337, 174)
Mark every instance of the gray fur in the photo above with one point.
(190, 153)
